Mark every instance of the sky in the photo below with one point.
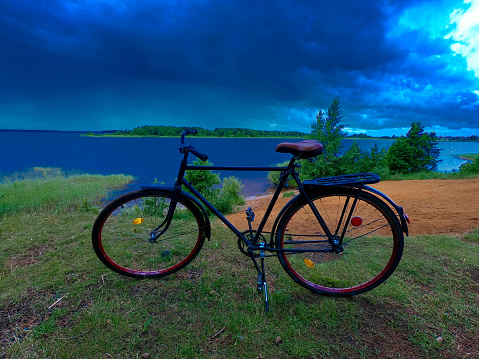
(118, 64)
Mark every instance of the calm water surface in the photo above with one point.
(150, 159)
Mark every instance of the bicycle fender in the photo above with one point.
(400, 211)
(188, 198)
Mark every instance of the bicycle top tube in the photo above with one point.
(299, 150)
(185, 150)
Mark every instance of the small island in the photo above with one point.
(173, 131)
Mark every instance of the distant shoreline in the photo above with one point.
(232, 137)
(192, 136)
(109, 134)
(13, 130)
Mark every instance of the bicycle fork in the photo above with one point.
(163, 227)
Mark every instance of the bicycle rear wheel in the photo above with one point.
(121, 234)
(371, 247)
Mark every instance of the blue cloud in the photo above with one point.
(116, 64)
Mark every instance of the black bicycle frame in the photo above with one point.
(286, 171)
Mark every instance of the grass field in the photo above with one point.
(58, 301)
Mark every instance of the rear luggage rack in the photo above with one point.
(353, 180)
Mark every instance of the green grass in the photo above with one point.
(467, 171)
(470, 156)
(55, 191)
(58, 300)
(427, 175)
(289, 194)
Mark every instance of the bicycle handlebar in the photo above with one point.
(198, 154)
(188, 131)
(191, 149)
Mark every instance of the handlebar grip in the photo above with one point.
(191, 131)
(198, 154)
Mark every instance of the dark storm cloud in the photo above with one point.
(117, 64)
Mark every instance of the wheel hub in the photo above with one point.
(337, 247)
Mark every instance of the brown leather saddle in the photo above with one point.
(300, 150)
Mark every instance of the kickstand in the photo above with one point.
(261, 281)
(265, 287)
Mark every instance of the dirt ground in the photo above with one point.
(433, 206)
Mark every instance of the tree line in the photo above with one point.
(173, 131)
(472, 138)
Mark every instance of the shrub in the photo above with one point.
(288, 194)
(470, 168)
(274, 176)
(204, 181)
(229, 195)
(357, 160)
(225, 197)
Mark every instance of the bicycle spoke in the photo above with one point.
(366, 256)
(125, 242)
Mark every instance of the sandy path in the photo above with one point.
(434, 206)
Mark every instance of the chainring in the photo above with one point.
(249, 235)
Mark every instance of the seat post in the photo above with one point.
(291, 162)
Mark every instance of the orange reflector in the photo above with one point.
(356, 221)
(138, 220)
(308, 262)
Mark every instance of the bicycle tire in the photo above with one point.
(372, 245)
(121, 234)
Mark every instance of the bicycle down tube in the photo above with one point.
(182, 181)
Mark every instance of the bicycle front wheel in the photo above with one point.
(121, 234)
(369, 252)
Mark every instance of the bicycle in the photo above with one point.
(336, 237)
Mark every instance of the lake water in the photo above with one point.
(148, 159)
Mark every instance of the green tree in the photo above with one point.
(414, 153)
(375, 160)
(328, 130)
(352, 159)
(356, 160)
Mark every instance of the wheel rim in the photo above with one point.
(370, 246)
(123, 238)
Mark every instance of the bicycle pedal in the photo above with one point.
(250, 214)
